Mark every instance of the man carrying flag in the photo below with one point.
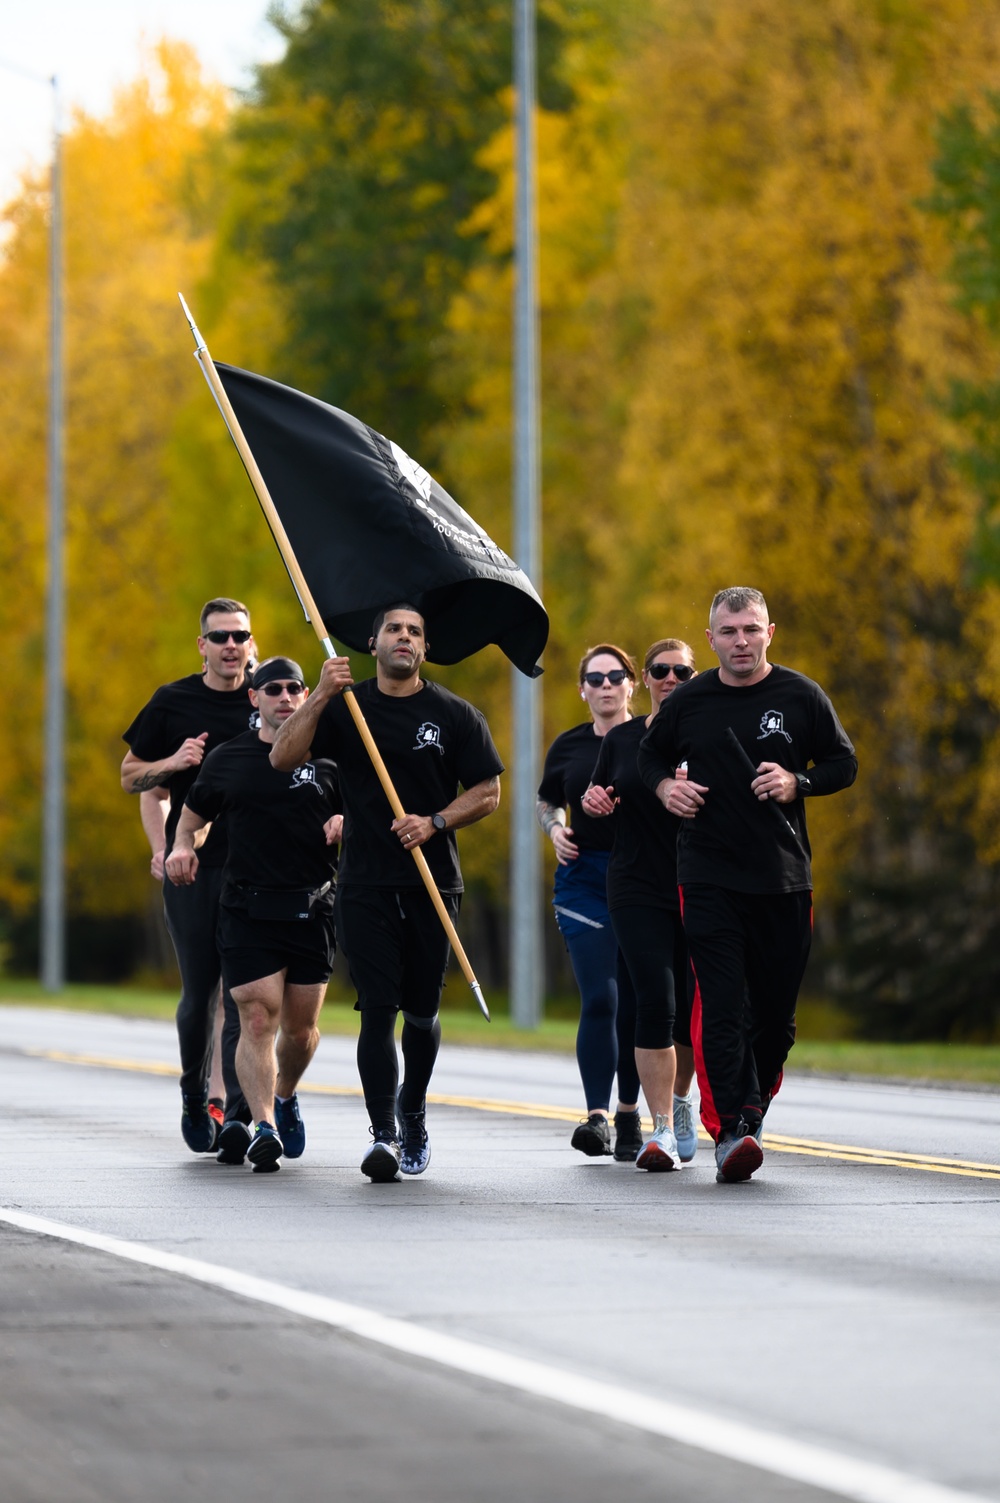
(433, 744)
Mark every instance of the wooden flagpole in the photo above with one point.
(316, 621)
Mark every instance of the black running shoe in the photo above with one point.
(414, 1144)
(288, 1120)
(232, 1143)
(593, 1137)
(198, 1129)
(628, 1137)
(265, 1149)
(381, 1162)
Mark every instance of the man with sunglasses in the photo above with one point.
(756, 739)
(276, 910)
(168, 741)
(433, 744)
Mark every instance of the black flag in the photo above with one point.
(370, 528)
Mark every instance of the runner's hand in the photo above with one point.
(561, 838)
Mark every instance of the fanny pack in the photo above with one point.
(280, 905)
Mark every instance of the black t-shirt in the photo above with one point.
(431, 742)
(187, 707)
(643, 866)
(566, 776)
(735, 840)
(274, 819)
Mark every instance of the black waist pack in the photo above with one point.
(280, 905)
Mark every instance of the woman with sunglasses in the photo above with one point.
(645, 915)
(583, 849)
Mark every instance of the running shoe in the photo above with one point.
(265, 1149)
(291, 1129)
(685, 1128)
(628, 1137)
(660, 1151)
(737, 1155)
(414, 1144)
(232, 1143)
(215, 1110)
(593, 1136)
(198, 1129)
(381, 1162)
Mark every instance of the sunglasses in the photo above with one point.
(219, 637)
(681, 671)
(274, 689)
(595, 680)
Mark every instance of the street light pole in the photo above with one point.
(526, 956)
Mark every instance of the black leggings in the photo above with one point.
(651, 941)
(379, 1068)
(192, 916)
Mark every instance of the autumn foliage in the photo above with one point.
(752, 343)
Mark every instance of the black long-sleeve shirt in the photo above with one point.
(736, 840)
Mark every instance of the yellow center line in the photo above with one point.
(775, 1142)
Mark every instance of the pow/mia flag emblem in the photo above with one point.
(429, 734)
(772, 723)
(304, 775)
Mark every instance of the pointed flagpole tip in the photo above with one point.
(199, 342)
(477, 992)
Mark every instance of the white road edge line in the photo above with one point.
(864, 1481)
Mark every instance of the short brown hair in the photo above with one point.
(616, 652)
(222, 608)
(666, 644)
(737, 598)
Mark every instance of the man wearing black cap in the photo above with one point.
(432, 743)
(276, 912)
(168, 741)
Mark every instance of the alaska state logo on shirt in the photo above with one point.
(772, 723)
(429, 734)
(303, 776)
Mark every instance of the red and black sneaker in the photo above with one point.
(737, 1155)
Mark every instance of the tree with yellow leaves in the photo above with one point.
(138, 208)
(740, 386)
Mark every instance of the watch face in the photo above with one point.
(439, 822)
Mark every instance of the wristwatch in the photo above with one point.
(439, 822)
(805, 784)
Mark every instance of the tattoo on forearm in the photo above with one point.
(548, 816)
(147, 780)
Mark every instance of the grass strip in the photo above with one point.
(972, 1064)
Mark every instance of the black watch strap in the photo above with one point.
(805, 784)
(439, 822)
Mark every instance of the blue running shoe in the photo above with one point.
(198, 1129)
(414, 1144)
(685, 1128)
(265, 1149)
(291, 1129)
(232, 1143)
(737, 1156)
(381, 1162)
(660, 1151)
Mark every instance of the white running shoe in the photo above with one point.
(685, 1127)
(660, 1151)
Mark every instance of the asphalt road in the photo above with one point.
(557, 1328)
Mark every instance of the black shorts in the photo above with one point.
(252, 948)
(396, 948)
